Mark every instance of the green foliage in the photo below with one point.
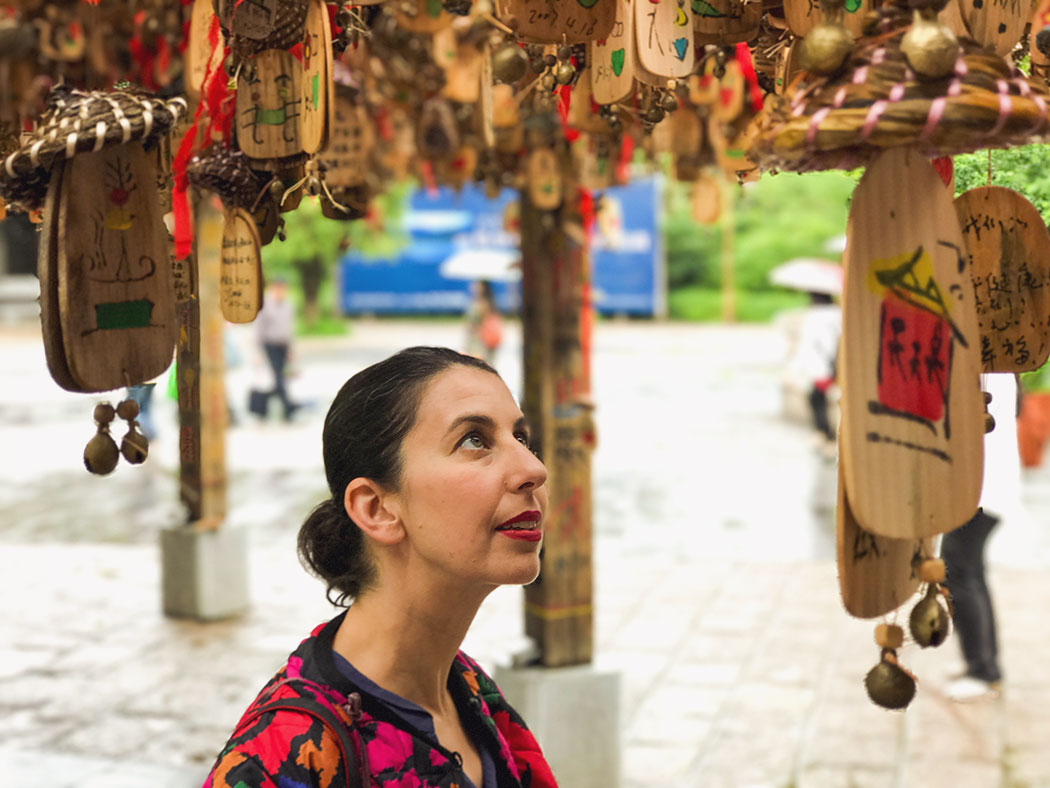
(1025, 170)
(704, 305)
(314, 244)
(776, 219)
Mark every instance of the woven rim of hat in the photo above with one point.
(876, 102)
(87, 121)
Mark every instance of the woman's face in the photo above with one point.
(472, 495)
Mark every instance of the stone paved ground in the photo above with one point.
(715, 586)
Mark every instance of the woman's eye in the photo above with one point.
(473, 441)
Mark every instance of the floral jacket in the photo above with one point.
(291, 749)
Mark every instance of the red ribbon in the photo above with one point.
(747, 67)
(214, 93)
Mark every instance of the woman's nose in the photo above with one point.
(530, 472)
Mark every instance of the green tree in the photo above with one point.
(314, 244)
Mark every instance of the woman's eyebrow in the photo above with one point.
(481, 420)
(472, 418)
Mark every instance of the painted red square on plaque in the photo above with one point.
(915, 349)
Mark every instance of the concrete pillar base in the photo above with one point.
(574, 713)
(204, 574)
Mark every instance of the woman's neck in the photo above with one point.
(406, 642)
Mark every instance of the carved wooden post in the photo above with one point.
(555, 321)
(201, 368)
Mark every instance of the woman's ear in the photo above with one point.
(373, 510)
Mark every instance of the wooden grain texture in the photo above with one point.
(269, 103)
(996, 24)
(315, 86)
(351, 140)
(725, 21)
(543, 178)
(240, 270)
(913, 416)
(47, 273)
(876, 574)
(199, 52)
(951, 17)
(559, 21)
(663, 36)
(1009, 255)
(611, 59)
(115, 291)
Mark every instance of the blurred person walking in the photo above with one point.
(436, 501)
(275, 327)
(484, 323)
(963, 549)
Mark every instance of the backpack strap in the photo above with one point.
(351, 748)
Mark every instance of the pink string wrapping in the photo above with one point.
(1004, 106)
(814, 123)
(873, 117)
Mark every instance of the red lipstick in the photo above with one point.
(524, 526)
(531, 516)
(525, 535)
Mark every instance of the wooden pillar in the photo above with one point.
(555, 323)
(201, 369)
(728, 255)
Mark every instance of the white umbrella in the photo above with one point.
(809, 275)
(495, 265)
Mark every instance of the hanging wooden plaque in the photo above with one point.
(706, 200)
(912, 412)
(725, 21)
(853, 15)
(951, 17)
(269, 106)
(1009, 254)
(544, 179)
(559, 21)
(876, 574)
(423, 16)
(593, 163)
(47, 273)
(351, 141)
(461, 64)
(663, 34)
(582, 114)
(253, 19)
(316, 80)
(732, 88)
(200, 54)
(787, 68)
(115, 291)
(240, 271)
(997, 25)
(611, 58)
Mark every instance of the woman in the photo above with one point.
(436, 501)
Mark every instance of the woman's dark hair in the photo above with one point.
(363, 433)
